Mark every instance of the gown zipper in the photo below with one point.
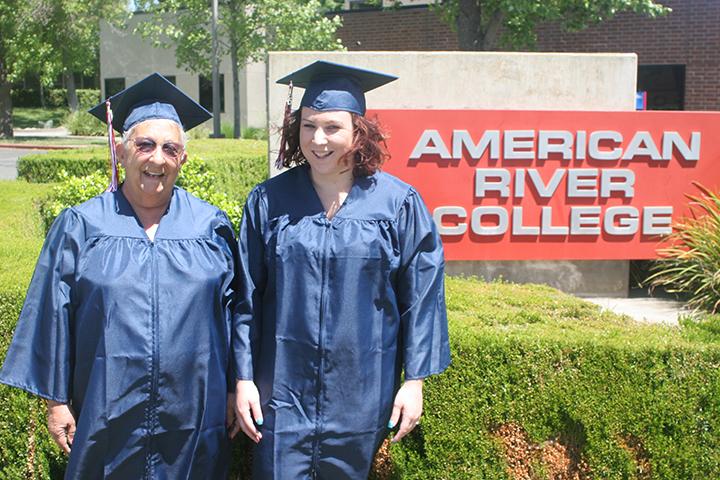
(327, 225)
(155, 370)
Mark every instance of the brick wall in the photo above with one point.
(689, 36)
(415, 28)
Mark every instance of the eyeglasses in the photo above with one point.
(147, 146)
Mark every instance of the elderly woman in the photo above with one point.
(343, 291)
(126, 325)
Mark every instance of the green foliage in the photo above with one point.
(254, 133)
(196, 177)
(71, 191)
(247, 29)
(82, 123)
(518, 18)
(555, 366)
(238, 164)
(691, 265)
(47, 167)
(26, 450)
(22, 232)
(87, 97)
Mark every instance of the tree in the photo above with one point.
(248, 29)
(71, 28)
(49, 38)
(20, 40)
(488, 24)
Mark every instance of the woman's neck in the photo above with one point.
(332, 189)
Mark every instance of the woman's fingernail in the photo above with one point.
(259, 421)
(391, 424)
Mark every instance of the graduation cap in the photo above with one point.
(333, 86)
(154, 97)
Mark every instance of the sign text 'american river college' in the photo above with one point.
(521, 185)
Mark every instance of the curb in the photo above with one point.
(32, 146)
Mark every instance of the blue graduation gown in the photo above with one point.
(331, 312)
(135, 335)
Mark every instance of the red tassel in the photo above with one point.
(113, 154)
(283, 131)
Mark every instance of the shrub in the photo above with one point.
(72, 191)
(25, 97)
(691, 265)
(47, 168)
(195, 177)
(253, 133)
(26, 450)
(87, 97)
(82, 123)
(618, 398)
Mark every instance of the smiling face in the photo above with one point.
(152, 157)
(325, 139)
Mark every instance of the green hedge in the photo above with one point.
(26, 450)
(87, 97)
(238, 164)
(620, 397)
(47, 168)
(627, 400)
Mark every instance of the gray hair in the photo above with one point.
(127, 135)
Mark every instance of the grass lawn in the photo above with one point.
(29, 117)
(22, 232)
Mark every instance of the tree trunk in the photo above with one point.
(471, 36)
(237, 128)
(6, 128)
(492, 31)
(69, 80)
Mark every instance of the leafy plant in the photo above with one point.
(195, 177)
(691, 265)
(82, 123)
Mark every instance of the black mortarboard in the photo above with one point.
(153, 97)
(333, 86)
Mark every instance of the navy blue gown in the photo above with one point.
(135, 335)
(330, 313)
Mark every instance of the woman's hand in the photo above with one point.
(409, 404)
(247, 408)
(61, 424)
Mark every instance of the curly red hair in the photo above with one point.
(368, 152)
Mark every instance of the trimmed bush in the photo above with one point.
(26, 449)
(82, 123)
(622, 400)
(87, 97)
(47, 167)
(195, 177)
(238, 165)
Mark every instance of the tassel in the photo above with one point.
(283, 131)
(113, 155)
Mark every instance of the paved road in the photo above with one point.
(8, 161)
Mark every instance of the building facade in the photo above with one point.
(678, 54)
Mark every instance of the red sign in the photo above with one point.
(552, 185)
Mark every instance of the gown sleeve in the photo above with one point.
(40, 358)
(223, 229)
(252, 276)
(421, 292)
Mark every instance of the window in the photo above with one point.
(171, 79)
(113, 86)
(205, 84)
(664, 84)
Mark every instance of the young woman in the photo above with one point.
(343, 291)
